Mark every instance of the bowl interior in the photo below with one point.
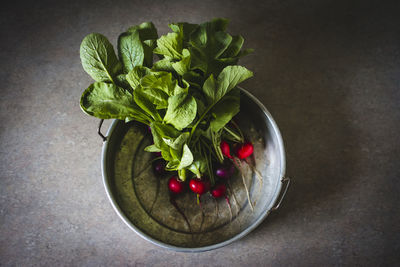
(143, 200)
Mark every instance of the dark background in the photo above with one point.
(328, 71)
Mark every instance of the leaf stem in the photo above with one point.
(238, 128)
(233, 134)
(199, 120)
(210, 169)
(216, 140)
(102, 63)
(208, 163)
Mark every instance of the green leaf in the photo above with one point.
(170, 46)
(208, 42)
(210, 89)
(218, 24)
(180, 141)
(200, 61)
(187, 157)
(160, 131)
(175, 154)
(182, 66)
(130, 50)
(98, 58)
(181, 110)
(156, 85)
(184, 29)
(135, 75)
(200, 106)
(160, 80)
(193, 78)
(215, 90)
(229, 77)
(182, 174)
(108, 101)
(168, 141)
(172, 165)
(226, 109)
(212, 49)
(143, 101)
(164, 64)
(198, 166)
(212, 45)
(148, 35)
(177, 143)
(148, 47)
(147, 31)
(152, 148)
(121, 81)
(164, 82)
(234, 47)
(179, 89)
(166, 155)
(205, 34)
(157, 97)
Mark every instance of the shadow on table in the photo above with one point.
(304, 76)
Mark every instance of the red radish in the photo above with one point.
(225, 171)
(244, 150)
(157, 154)
(159, 166)
(226, 150)
(199, 186)
(175, 185)
(218, 191)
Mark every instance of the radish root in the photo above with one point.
(234, 196)
(258, 176)
(230, 208)
(237, 164)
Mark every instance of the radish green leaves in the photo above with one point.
(99, 59)
(181, 110)
(130, 50)
(187, 97)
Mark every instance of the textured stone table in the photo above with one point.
(329, 72)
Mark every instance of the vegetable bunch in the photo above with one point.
(187, 97)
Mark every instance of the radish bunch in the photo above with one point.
(223, 172)
(242, 152)
(186, 94)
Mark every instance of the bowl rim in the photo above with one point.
(240, 235)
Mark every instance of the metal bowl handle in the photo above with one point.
(287, 181)
(99, 131)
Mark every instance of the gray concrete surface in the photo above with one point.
(329, 72)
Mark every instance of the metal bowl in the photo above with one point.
(141, 199)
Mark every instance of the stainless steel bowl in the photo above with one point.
(141, 199)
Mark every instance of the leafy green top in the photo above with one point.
(187, 97)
